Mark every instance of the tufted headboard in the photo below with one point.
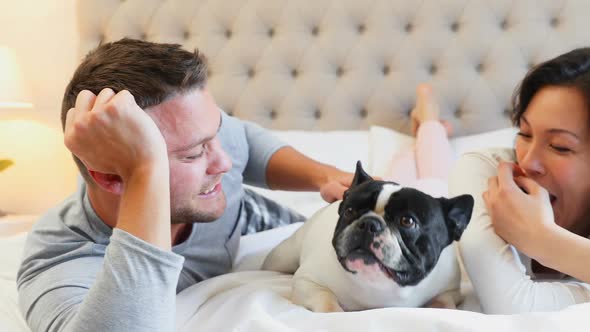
(349, 64)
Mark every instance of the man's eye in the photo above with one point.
(197, 156)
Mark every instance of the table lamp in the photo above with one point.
(36, 170)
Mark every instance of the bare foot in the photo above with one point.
(426, 109)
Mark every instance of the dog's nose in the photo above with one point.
(370, 224)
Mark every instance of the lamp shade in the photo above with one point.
(14, 92)
(42, 172)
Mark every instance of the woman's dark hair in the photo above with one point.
(570, 69)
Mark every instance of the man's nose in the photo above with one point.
(220, 162)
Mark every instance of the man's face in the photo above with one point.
(189, 123)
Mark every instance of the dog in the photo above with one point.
(383, 245)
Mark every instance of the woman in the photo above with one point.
(534, 198)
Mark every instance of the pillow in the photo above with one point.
(385, 142)
(337, 148)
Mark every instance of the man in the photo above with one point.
(163, 194)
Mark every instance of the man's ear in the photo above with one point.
(457, 212)
(108, 182)
(360, 175)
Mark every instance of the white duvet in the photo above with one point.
(259, 301)
(256, 301)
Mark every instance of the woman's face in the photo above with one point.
(553, 148)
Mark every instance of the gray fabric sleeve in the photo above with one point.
(134, 289)
(261, 146)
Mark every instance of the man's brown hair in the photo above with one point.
(151, 72)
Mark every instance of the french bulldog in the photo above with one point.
(383, 245)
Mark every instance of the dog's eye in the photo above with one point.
(407, 222)
(345, 195)
(348, 213)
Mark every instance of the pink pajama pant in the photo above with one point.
(427, 164)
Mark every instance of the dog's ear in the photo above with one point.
(457, 212)
(360, 176)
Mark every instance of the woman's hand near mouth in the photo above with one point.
(520, 210)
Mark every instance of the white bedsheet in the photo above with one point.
(11, 247)
(256, 301)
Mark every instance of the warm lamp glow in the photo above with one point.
(14, 93)
(43, 172)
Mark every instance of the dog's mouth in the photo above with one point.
(369, 259)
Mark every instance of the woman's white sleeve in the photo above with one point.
(496, 271)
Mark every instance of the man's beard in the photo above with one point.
(189, 215)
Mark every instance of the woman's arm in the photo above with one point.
(496, 271)
(566, 252)
(525, 219)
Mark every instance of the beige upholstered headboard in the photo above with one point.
(349, 64)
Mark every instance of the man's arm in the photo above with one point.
(288, 169)
(131, 288)
(112, 135)
(136, 286)
(274, 164)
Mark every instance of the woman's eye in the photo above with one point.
(523, 135)
(407, 222)
(560, 149)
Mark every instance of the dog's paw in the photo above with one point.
(324, 305)
(446, 300)
(314, 297)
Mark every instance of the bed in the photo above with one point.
(323, 74)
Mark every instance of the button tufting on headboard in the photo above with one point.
(480, 68)
(432, 69)
(504, 25)
(347, 57)
(317, 114)
(361, 28)
(409, 27)
(385, 70)
(364, 113)
(315, 30)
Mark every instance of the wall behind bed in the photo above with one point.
(44, 36)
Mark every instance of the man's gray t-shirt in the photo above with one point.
(78, 274)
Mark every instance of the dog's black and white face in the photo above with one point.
(394, 231)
